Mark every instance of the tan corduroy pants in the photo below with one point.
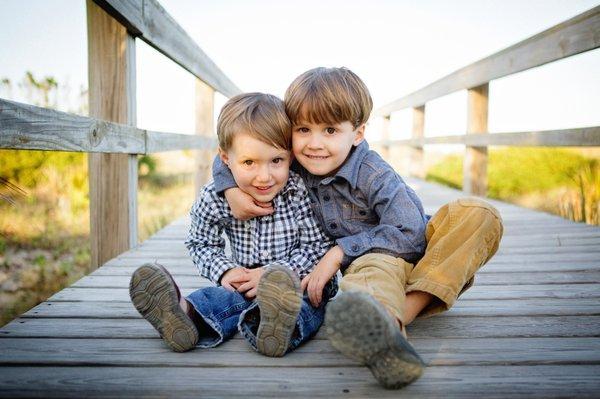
(461, 237)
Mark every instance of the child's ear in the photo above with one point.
(360, 135)
(224, 157)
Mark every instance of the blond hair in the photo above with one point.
(328, 95)
(260, 115)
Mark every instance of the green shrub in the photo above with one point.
(515, 171)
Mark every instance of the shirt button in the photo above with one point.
(333, 226)
(355, 248)
(327, 198)
(265, 253)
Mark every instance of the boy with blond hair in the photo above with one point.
(397, 262)
(258, 288)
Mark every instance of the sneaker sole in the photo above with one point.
(360, 328)
(279, 299)
(155, 298)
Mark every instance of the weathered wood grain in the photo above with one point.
(149, 21)
(430, 328)
(565, 291)
(316, 353)
(476, 158)
(576, 35)
(579, 137)
(158, 142)
(193, 280)
(536, 381)
(480, 308)
(24, 126)
(27, 127)
(112, 177)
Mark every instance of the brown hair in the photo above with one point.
(328, 95)
(260, 115)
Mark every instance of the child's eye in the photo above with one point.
(277, 160)
(303, 129)
(248, 162)
(330, 130)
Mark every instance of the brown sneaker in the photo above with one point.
(361, 328)
(156, 296)
(279, 298)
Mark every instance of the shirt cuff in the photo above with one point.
(223, 179)
(353, 247)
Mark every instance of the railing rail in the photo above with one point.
(109, 134)
(148, 20)
(27, 127)
(574, 36)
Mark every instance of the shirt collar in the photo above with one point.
(349, 169)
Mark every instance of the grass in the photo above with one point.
(44, 229)
(559, 181)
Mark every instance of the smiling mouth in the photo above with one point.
(317, 157)
(265, 188)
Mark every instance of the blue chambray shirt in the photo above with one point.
(366, 206)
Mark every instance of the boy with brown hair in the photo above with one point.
(270, 254)
(398, 263)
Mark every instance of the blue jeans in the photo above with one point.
(223, 313)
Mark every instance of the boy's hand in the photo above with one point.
(326, 268)
(250, 286)
(233, 278)
(244, 207)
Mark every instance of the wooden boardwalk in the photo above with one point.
(529, 327)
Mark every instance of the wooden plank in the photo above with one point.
(576, 35)
(480, 308)
(112, 177)
(385, 136)
(204, 126)
(150, 256)
(147, 20)
(417, 155)
(193, 280)
(158, 141)
(496, 265)
(578, 137)
(441, 326)
(539, 381)
(29, 127)
(316, 353)
(129, 13)
(476, 292)
(510, 243)
(476, 158)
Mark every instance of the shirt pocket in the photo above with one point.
(357, 213)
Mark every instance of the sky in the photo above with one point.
(396, 47)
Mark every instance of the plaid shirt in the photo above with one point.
(290, 236)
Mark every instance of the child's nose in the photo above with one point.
(314, 141)
(264, 174)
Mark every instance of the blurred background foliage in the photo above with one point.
(44, 204)
(565, 182)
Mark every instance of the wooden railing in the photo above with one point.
(109, 135)
(574, 36)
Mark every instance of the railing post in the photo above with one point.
(205, 107)
(475, 161)
(385, 136)
(112, 177)
(417, 158)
